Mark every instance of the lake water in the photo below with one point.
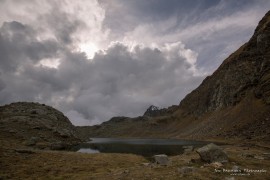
(145, 147)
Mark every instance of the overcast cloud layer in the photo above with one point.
(98, 59)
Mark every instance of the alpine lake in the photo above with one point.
(144, 147)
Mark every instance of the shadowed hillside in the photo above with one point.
(36, 125)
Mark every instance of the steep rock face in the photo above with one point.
(248, 69)
(37, 124)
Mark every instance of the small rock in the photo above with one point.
(236, 168)
(212, 153)
(216, 165)
(145, 164)
(42, 145)
(58, 146)
(65, 133)
(259, 157)
(162, 159)
(32, 141)
(186, 169)
(188, 149)
(12, 131)
(266, 155)
(248, 155)
(194, 160)
(229, 178)
(126, 171)
(33, 112)
(25, 151)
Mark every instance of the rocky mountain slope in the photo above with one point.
(37, 125)
(233, 102)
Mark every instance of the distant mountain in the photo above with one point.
(153, 111)
(233, 102)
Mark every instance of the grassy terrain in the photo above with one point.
(45, 164)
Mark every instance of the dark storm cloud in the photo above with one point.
(62, 24)
(18, 45)
(119, 81)
(124, 82)
(20, 53)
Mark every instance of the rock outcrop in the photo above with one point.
(212, 153)
(37, 125)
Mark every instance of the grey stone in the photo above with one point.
(24, 151)
(188, 149)
(186, 169)
(247, 155)
(126, 171)
(229, 178)
(32, 141)
(58, 146)
(236, 168)
(162, 159)
(12, 131)
(259, 157)
(145, 164)
(216, 165)
(212, 153)
(266, 155)
(65, 133)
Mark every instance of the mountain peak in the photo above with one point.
(152, 111)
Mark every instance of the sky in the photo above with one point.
(96, 59)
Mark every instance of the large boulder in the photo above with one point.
(212, 153)
(162, 159)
